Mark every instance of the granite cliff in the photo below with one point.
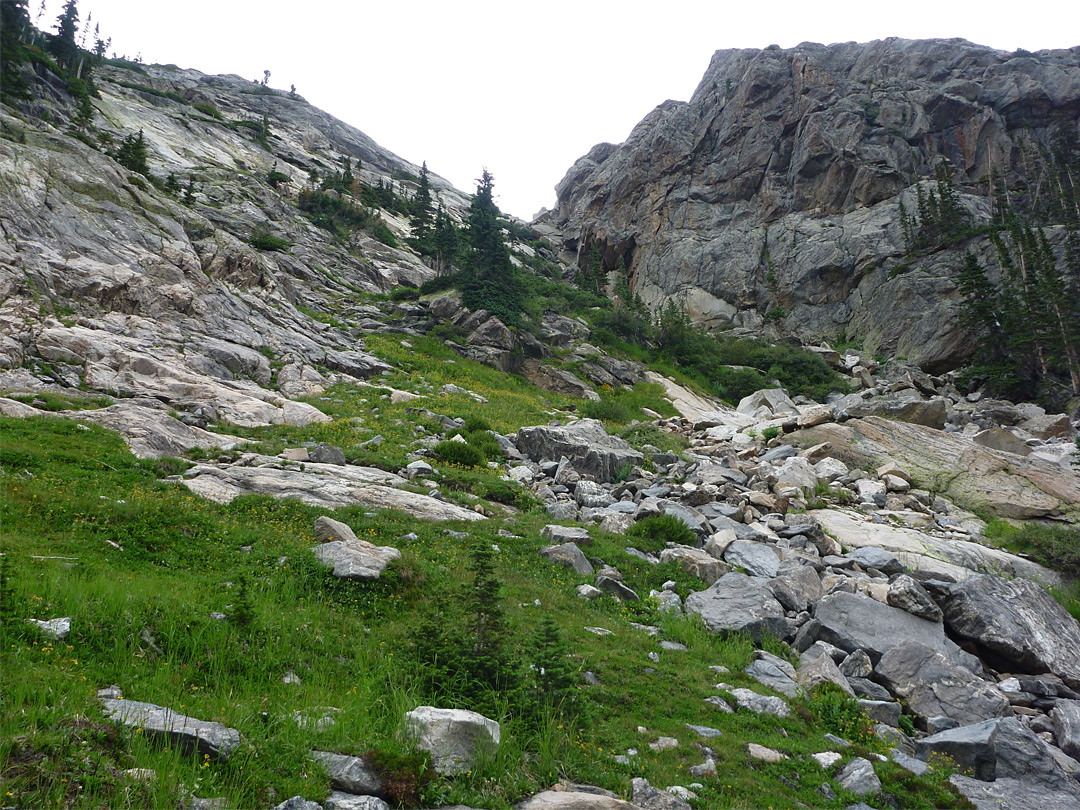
(778, 186)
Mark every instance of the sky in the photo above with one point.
(522, 89)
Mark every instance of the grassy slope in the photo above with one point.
(67, 491)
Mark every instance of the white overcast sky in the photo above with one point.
(521, 88)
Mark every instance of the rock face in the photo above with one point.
(1018, 622)
(778, 185)
(975, 477)
(173, 301)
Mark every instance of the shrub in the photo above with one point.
(276, 178)
(609, 409)
(262, 240)
(459, 453)
(770, 433)
(1057, 547)
(840, 714)
(208, 109)
(486, 443)
(473, 423)
(382, 232)
(656, 531)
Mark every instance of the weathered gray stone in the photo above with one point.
(908, 595)
(882, 711)
(857, 665)
(648, 797)
(203, 736)
(696, 562)
(933, 685)
(796, 589)
(758, 559)
(616, 588)
(1018, 621)
(858, 776)
(349, 774)
(760, 704)
(585, 443)
(778, 675)
(1066, 719)
(574, 800)
(349, 556)
(339, 800)
(55, 629)
(569, 555)
(1015, 794)
(853, 622)
(453, 737)
(738, 603)
(566, 534)
(815, 670)
(590, 494)
(873, 557)
(1003, 440)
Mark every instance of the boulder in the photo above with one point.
(914, 410)
(453, 737)
(796, 589)
(758, 559)
(339, 800)
(202, 736)
(854, 621)
(349, 556)
(648, 797)
(858, 776)
(1001, 748)
(1015, 621)
(769, 402)
(1003, 440)
(932, 685)
(349, 774)
(559, 380)
(874, 557)
(590, 494)
(696, 562)
(760, 704)
(908, 595)
(574, 800)
(54, 629)
(740, 604)
(585, 443)
(1066, 720)
(819, 669)
(566, 534)
(773, 672)
(570, 556)
(1015, 794)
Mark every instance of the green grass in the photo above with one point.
(1056, 547)
(619, 407)
(181, 558)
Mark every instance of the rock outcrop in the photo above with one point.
(778, 186)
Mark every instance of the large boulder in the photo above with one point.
(757, 559)
(910, 408)
(349, 556)
(739, 604)
(1066, 720)
(695, 562)
(349, 774)
(585, 443)
(1017, 622)
(453, 737)
(852, 621)
(569, 556)
(1001, 748)
(574, 800)
(203, 736)
(1015, 794)
(932, 685)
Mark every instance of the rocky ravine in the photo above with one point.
(779, 184)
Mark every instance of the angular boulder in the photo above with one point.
(758, 559)
(852, 621)
(570, 556)
(908, 595)
(1066, 719)
(932, 685)
(737, 603)
(349, 556)
(349, 774)
(202, 736)
(453, 737)
(585, 443)
(1016, 621)
(695, 562)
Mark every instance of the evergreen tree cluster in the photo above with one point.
(1025, 308)
(939, 220)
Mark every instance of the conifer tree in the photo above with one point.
(63, 46)
(490, 282)
(422, 213)
(132, 154)
(14, 22)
